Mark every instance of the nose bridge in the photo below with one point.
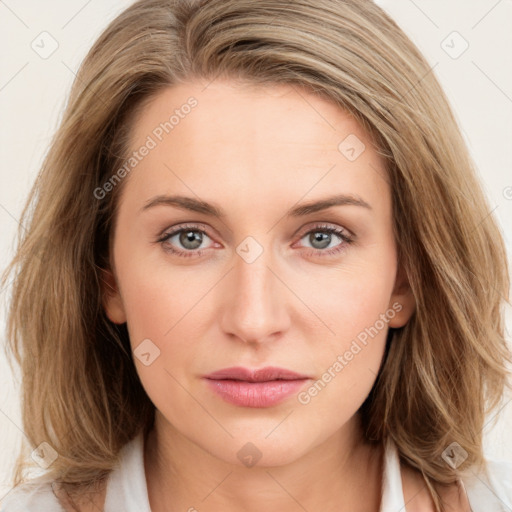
(252, 271)
(255, 308)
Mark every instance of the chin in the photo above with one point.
(256, 451)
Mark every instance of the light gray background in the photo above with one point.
(33, 92)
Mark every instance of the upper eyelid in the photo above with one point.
(166, 234)
(173, 231)
(199, 227)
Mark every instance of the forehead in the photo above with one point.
(226, 137)
(248, 112)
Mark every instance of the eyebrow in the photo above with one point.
(196, 205)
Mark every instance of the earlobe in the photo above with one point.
(111, 298)
(402, 301)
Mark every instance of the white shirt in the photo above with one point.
(127, 490)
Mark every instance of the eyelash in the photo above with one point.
(341, 233)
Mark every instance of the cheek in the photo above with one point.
(355, 308)
(155, 295)
(352, 296)
(161, 315)
(347, 366)
(167, 307)
(149, 312)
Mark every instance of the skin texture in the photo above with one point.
(255, 152)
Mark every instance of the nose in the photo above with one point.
(255, 305)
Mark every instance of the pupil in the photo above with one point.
(323, 238)
(189, 237)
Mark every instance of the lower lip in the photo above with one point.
(255, 394)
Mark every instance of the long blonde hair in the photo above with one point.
(442, 373)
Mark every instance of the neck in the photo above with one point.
(343, 473)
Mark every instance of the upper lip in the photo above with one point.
(265, 374)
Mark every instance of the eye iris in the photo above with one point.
(323, 238)
(187, 237)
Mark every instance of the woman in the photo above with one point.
(261, 274)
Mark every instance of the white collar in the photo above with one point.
(487, 491)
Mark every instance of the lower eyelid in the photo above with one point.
(345, 240)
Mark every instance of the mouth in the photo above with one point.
(263, 387)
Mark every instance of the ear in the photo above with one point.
(111, 298)
(402, 300)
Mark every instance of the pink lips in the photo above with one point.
(263, 387)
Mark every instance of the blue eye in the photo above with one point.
(191, 237)
(326, 237)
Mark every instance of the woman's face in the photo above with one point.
(265, 283)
